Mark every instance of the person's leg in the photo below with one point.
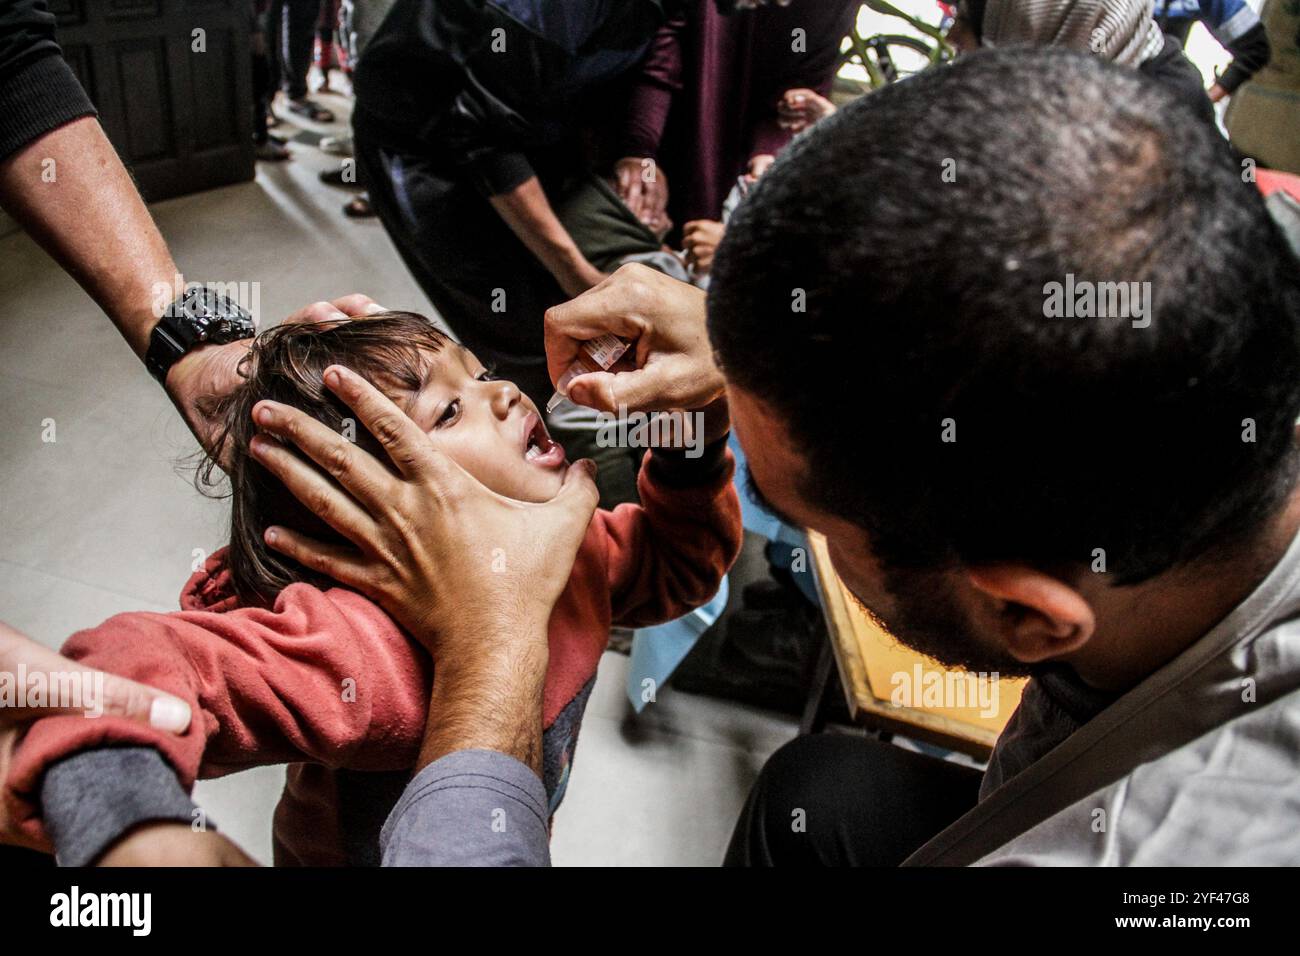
(835, 800)
(296, 39)
(485, 284)
(275, 47)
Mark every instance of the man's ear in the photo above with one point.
(1040, 617)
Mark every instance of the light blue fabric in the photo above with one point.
(789, 547)
(656, 651)
(756, 519)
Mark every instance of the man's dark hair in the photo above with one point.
(924, 319)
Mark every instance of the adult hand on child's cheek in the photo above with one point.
(439, 551)
(207, 374)
(168, 843)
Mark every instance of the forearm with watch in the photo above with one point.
(69, 190)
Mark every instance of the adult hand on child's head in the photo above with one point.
(26, 666)
(207, 374)
(466, 571)
(470, 574)
(665, 322)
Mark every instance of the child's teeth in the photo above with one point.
(533, 452)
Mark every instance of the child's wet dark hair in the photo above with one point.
(287, 364)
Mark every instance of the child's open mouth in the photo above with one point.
(540, 448)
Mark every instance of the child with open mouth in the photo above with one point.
(282, 666)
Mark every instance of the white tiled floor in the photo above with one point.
(105, 519)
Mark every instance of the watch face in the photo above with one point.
(215, 318)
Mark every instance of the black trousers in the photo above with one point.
(291, 29)
(483, 281)
(263, 91)
(835, 800)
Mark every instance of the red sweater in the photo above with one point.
(327, 677)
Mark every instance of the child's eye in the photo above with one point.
(449, 414)
(487, 375)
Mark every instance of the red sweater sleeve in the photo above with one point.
(322, 676)
(668, 555)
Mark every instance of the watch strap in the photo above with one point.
(197, 316)
(168, 342)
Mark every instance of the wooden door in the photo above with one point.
(173, 84)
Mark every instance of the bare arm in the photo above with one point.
(490, 703)
(528, 213)
(71, 192)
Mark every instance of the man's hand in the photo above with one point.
(800, 108)
(700, 239)
(437, 549)
(22, 659)
(209, 373)
(663, 318)
(470, 574)
(642, 185)
(1217, 93)
(758, 165)
(168, 843)
(528, 213)
(578, 276)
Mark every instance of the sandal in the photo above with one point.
(358, 208)
(309, 110)
(271, 151)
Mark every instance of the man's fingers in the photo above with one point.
(577, 500)
(94, 692)
(316, 312)
(618, 392)
(126, 698)
(629, 186)
(345, 307)
(627, 178)
(612, 306)
(635, 198)
(358, 304)
(317, 493)
(407, 446)
(656, 198)
(335, 561)
(100, 695)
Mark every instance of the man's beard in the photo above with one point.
(929, 620)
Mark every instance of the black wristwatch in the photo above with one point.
(200, 316)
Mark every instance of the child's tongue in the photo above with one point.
(543, 450)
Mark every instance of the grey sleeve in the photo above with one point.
(470, 808)
(90, 799)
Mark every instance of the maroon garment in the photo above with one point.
(705, 101)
